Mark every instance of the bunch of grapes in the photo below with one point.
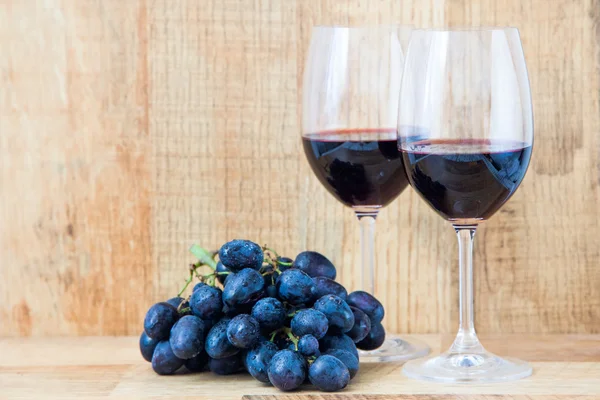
(283, 321)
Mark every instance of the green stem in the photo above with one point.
(265, 248)
(273, 334)
(182, 302)
(293, 338)
(269, 263)
(204, 256)
(285, 264)
(184, 310)
(187, 282)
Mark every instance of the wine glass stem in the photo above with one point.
(367, 249)
(466, 340)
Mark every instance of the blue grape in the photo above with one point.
(362, 325)
(221, 268)
(338, 313)
(147, 346)
(348, 359)
(176, 301)
(309, 322)
(198, 363)
(228, 277)
(291, 311)
(159, 320)
(216, 344)
(315, 264)
(308, 346)
(287, 370)
(329, 374)
(374, 339)
(206, 302)
(243, 331)
(239, 254)
(243, 289)
(187, 337)
(341, 342)
(328, 286)
(198, 286)
(270, 314)
(296, 287)
(367, 304)
(257, 360)
(164, 361)
(226, 366)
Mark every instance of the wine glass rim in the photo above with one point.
(453, 29)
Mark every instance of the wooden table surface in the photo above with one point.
(564, 366)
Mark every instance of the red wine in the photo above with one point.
(359, 167)
(466, 179)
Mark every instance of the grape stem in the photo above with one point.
(273, 334)
(266, 248)
(269, 263)
(187, 282)
(184, 310)
(288, 332)
(293, 338)
(210, 280)
(205, 257)
(181, 303)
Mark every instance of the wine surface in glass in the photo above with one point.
(466, 179)
(359, 167)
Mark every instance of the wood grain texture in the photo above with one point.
(129, 130)
(416, 397)
(74, 171)
(80, 368)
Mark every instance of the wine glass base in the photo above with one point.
(483, 367)
(395, 349)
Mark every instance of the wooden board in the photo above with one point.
(415, 397)
(130, 129)
(112, 367)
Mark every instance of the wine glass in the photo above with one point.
(465, 130)
(350, 111)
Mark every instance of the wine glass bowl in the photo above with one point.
(360, 168)
(465, 131)
(466, 181)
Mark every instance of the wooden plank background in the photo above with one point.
(130, 129)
